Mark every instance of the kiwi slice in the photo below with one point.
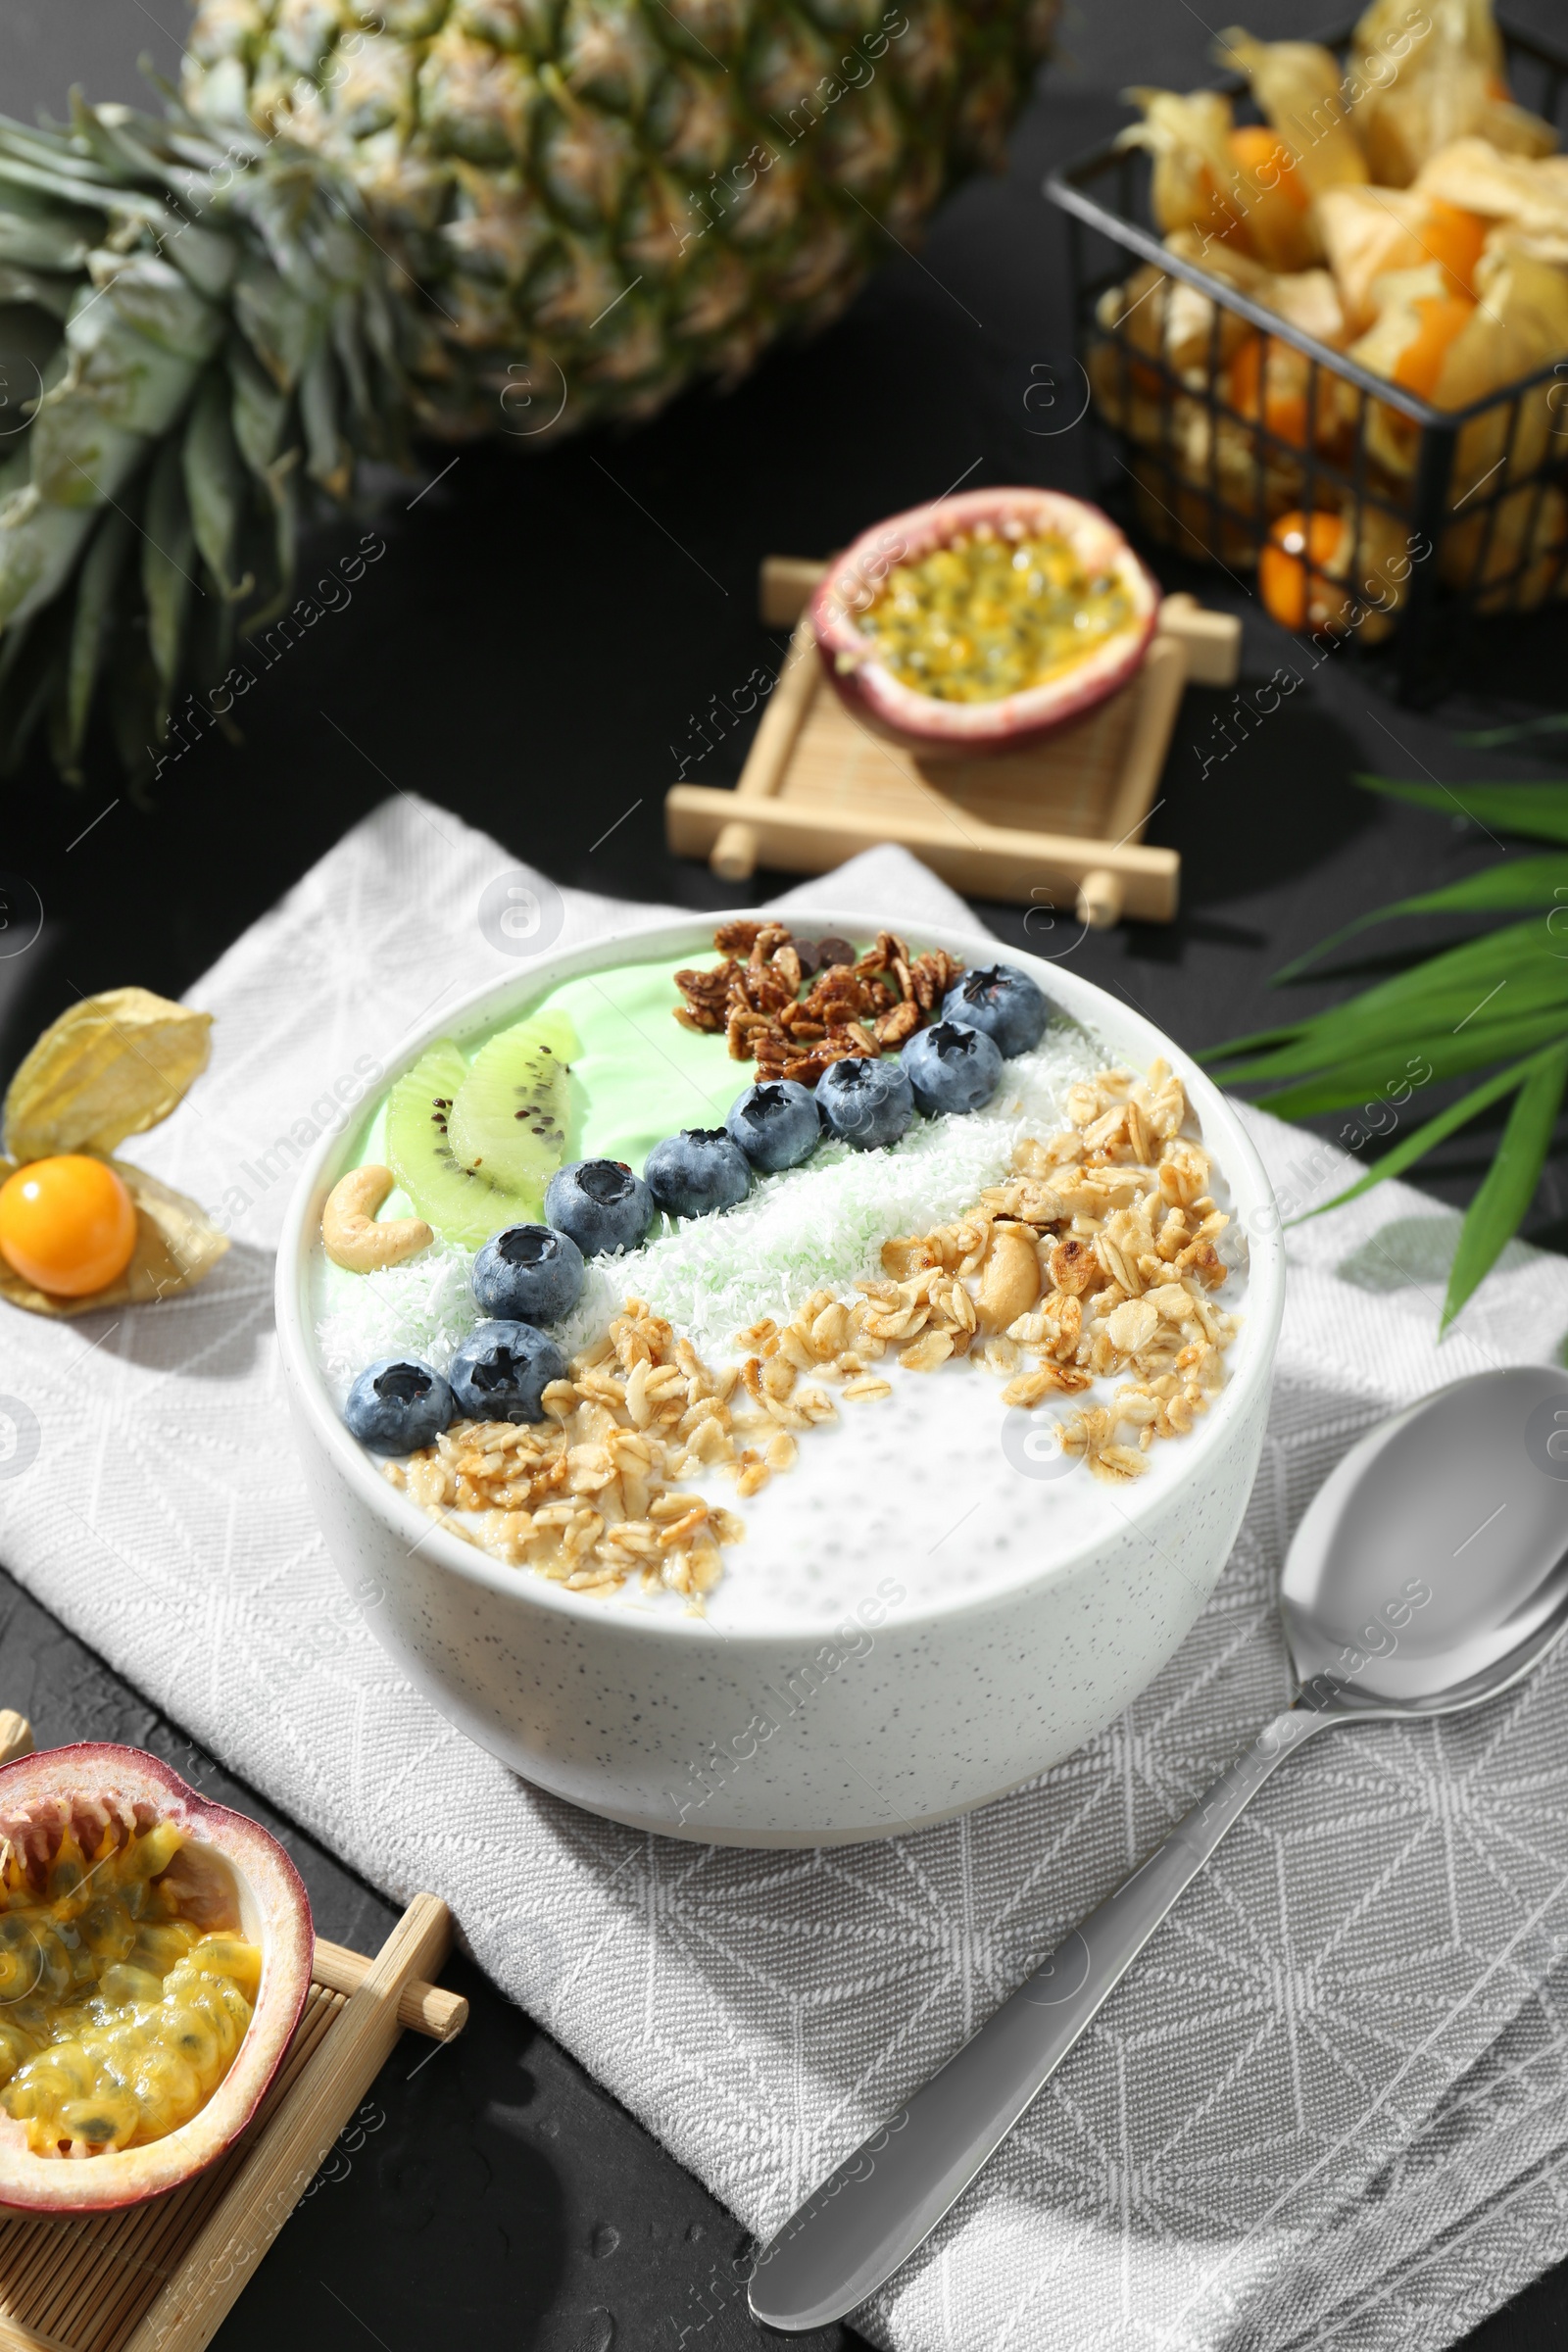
(509, 1117)
(464, 1203)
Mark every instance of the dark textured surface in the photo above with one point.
(541, 648)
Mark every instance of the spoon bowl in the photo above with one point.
(1436, 1549)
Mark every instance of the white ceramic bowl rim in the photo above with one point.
(1128, 1032)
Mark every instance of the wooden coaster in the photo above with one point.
(161, 2275)
(1060, 824)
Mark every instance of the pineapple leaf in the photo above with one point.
(261, 412)
(30, 686)
(169, 550)
(95, 593)
(214, 481)
(1507, 1190)
(1523, 882)
(328, 461)
(1539, 811)
(351, 358)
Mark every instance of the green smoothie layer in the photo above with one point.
(637, 1075)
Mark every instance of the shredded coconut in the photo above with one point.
(712, 1276)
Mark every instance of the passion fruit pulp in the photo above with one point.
(1060, 617)
(155, 1957)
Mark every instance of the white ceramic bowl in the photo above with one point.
(656, 1718)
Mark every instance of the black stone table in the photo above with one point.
(543, 646)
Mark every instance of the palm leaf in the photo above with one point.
(1525, 882)
(1352, 1084)
(1492, 739)
(1422, 1140)
(1377, 1055)
(1250, 1043)
(1438, 998)
(1501, 996)
(1507, 1190)
(1539, 811)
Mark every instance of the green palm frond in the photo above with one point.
(1498, 998)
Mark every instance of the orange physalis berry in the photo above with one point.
(1439, 318)
(1281, 394)
(1292, 567)
(1453, 239)
(1264, 154)
(68, 1225)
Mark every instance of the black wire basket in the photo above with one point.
(1200, 476)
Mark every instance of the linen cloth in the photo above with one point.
(1330, 2103)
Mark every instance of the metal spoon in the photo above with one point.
(1429, 1573)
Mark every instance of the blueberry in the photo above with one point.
(865, 1103)
(776, 1125)
(529, 1274)
(951, 1067)
(503, 1369)
(699, 1170)
(1002, 1002)
(398, 1405)
(600, 1204)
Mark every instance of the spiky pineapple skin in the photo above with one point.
(591, 203)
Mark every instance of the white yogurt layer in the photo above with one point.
(940, 1488)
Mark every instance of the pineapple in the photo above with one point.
(370, 218)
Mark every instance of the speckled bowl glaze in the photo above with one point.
(787, 1734)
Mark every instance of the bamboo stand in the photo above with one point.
(161, 2275)
(1059, 824)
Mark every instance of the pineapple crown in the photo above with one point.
(192, 330)
(374, 217)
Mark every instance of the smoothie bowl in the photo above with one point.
(783, 1386)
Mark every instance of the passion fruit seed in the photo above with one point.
(997, 610)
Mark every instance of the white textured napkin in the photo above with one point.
(1330, 2105)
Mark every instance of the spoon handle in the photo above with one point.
(869, 2216)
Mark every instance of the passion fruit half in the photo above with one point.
(984, 622)
(155, 1958)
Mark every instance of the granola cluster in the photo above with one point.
(1095, 1260)
(586, 1497)
(792, 1005)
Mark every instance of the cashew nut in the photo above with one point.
(1009, 1279)
(349, 1233)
